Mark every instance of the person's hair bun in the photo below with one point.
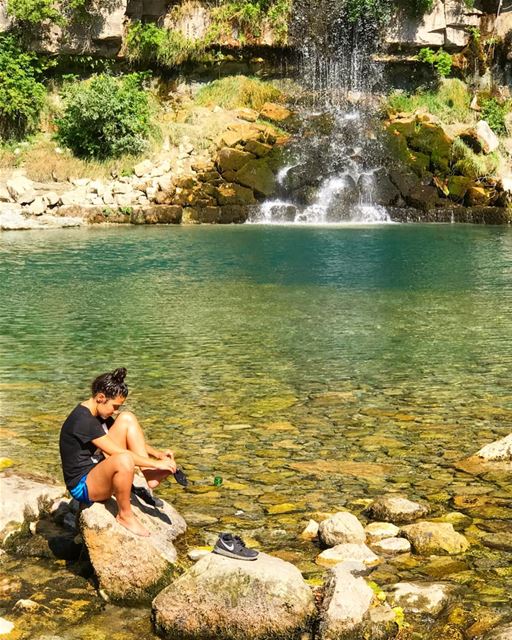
(119, 375)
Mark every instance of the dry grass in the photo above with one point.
(239, 91)
(44, 163)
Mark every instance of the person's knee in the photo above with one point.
(123, 461)
(127, 418)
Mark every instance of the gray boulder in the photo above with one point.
(342, 527)
(350, 608)
(499, 450)
(225, 599)
(348, 551)
(435, 538)
(396, 508)
(129, 567)
(24, 498)
(415, 597)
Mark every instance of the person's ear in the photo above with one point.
(101, 398)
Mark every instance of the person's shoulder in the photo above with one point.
(80, 414)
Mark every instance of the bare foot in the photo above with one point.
(133, 525)
(155, 476)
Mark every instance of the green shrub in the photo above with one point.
(34, 11)
(440, 59)
(149, 43)
(468, 163)
(238, 91)
(494, 113)
(22, 93)
(105, 117)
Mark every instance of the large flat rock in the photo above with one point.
(230, 599)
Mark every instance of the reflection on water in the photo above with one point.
(312, 366)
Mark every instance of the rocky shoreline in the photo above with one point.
(231, 599)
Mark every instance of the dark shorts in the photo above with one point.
(80, 493)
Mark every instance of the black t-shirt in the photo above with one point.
(77, 452)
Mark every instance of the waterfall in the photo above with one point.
(335, 168)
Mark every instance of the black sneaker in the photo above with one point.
(146, 496)
(180, 477)
(233, 547)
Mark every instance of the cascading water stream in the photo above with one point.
(335, 167)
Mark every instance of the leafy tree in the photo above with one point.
(106, 117)
(22, 93)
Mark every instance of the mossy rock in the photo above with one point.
(458, 186)
(232, 193)
(232, 159)
(257, 175)
(429, 137)
(405, 127)
(477, 196)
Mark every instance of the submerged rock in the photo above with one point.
(413, 597)
(342, 527)
(231, 599)
(129, 567)
(429, 538)
(396, 508)
(351, 609)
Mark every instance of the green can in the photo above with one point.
(217, 481)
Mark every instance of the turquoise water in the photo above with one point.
(313, 366)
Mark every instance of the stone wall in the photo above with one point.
(103, 32)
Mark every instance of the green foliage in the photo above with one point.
(148, 43)
(105, 117)
(440, 59)
(22, 93)
(450, 102)
(248, 17)
(238, 91)
(494, 113)
(470, 164)
(34, 11)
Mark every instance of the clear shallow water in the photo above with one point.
(317, 366)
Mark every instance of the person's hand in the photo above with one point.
(166, 453)
(166, 465)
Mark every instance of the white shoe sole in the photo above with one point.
(228, 554)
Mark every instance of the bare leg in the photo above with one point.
(114, 476)
(127, 433)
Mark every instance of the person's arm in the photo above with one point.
(158, 453)
(108, 446)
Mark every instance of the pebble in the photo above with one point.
(392, 545)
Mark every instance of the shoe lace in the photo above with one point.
(239, 540)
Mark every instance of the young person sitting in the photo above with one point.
(99, 452)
